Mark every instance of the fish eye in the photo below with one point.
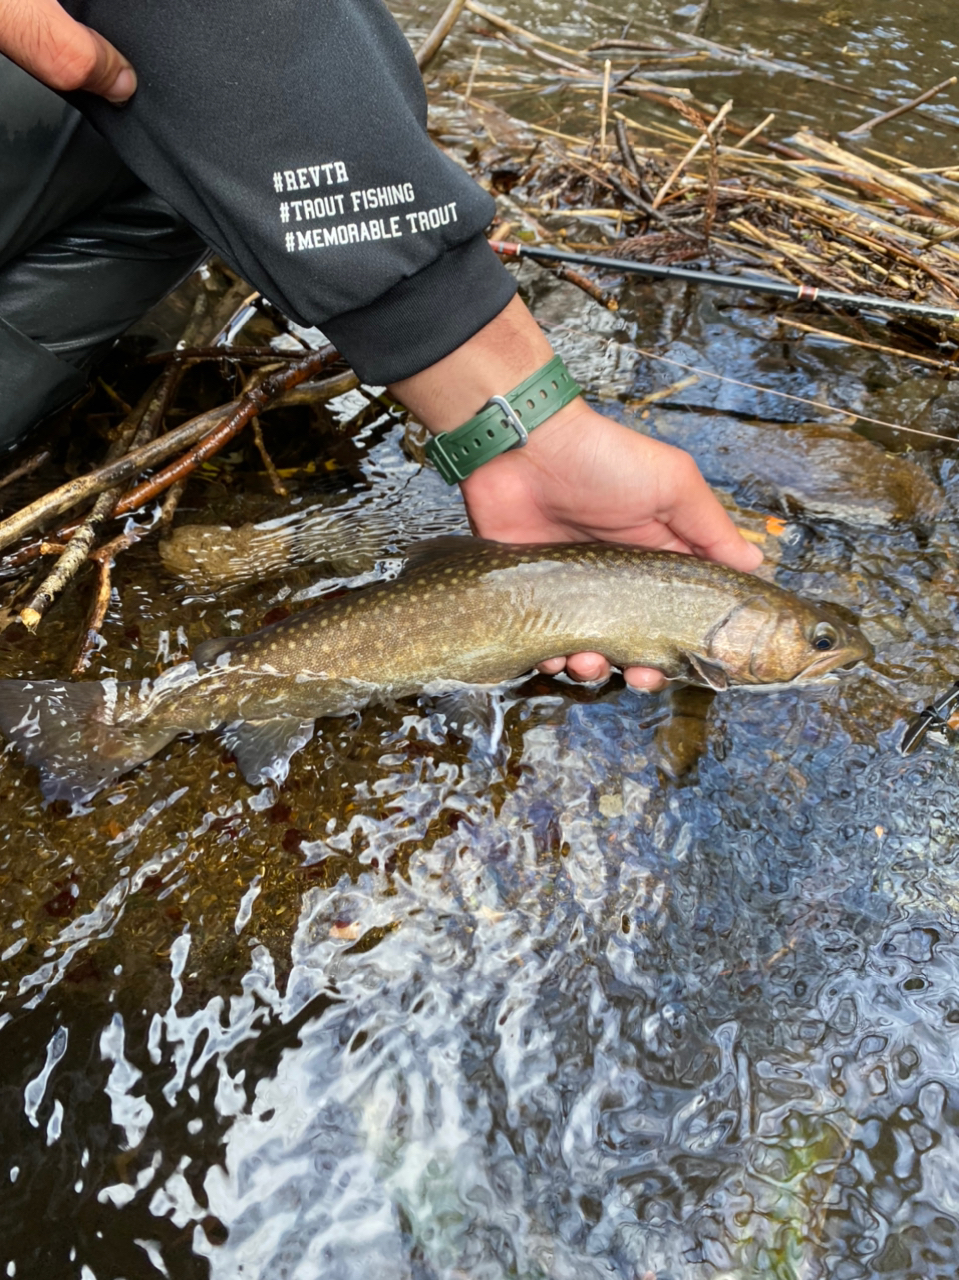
(824, 637)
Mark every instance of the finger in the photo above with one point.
(62, 53)
(587, 666)
(552, 666)
(698, 519)
(645, 679)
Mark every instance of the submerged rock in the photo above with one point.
(217, 555)
(350, 538)
(811, 468)
(680, 741)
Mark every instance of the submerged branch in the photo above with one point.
(241, 411)
(219, 424)
(138, 427)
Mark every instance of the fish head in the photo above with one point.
(785, 641)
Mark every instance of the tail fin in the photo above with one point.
(68, 732)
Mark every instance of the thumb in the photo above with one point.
(65, 55)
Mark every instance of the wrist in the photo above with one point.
(503, 424)
(495, 360)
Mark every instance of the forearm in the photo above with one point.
(292, 137)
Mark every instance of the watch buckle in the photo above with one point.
(512, 420)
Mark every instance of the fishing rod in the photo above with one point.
(935, 716)
(796, 293)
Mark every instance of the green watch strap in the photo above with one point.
(504, 423)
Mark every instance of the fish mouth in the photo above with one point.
(826, 669)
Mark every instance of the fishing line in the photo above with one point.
(785, 395)
(766, 391)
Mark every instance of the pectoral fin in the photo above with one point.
(473, 712)
(264, 748)
(710, 673)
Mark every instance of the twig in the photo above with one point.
(603, 109)
(431, 45)
(505, 25)
(140, 424)
(279, 488)
(862, 173)
(96, 617)
(105, 558)
(636, 200)
(170, 503)
(630, 46)
(743, 57)
(475, 67)
(699, 17)
(867, 125)
(114, 395)
(26, 468)
(630, 161)
(94, 482)
(694, 150)
(942, 365)
(530, 50)
(754, 133)
(240, 412)
(220, 353)
(315, 392)
(665, 392)
(73, 556)
(626, 151)
(138, 460)
(588, 287)
(624, 76)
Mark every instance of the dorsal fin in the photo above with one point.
(450, 546)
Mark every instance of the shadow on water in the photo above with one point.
(603, 1008)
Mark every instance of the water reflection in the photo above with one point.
(712, 1031)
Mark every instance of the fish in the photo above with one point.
(463, 613)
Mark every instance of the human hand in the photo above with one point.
(64, 54)
(583, 477)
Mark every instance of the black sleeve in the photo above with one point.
(291, 134)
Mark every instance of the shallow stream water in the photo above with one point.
(668, 992)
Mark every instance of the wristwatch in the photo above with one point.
(503, 423)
